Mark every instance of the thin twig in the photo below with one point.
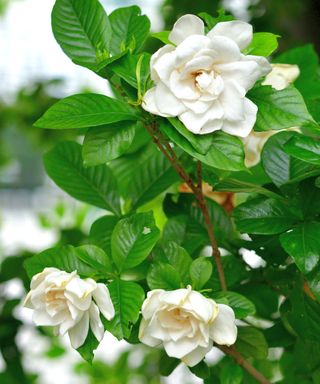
(240, 360)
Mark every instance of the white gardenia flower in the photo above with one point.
(204, 78)
(69, 303)
(186, 323)
(279, 78)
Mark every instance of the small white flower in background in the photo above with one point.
(279, 78)
(69, 303)
(186, 323)
(204, 79)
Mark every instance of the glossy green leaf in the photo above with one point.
(212, 21)
(226, 151)
(163, 276)
(303, 244)
(84, 39)
(84, 111)
(87, 349)
(162, 36)
(304, 148)
(262, 44)
(103, 144)
(231, 374)
(133, 239)
(200, 272)
(127, 298)
(279, 109)
(69, 259)
(251, 343)
(101, 231)
(130, 29)
(264, 216)
(179, 258)
(242, 306)
(95, 185)
(281, 167)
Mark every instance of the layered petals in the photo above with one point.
(183, 322)
(69, 303)
(203, 80)
(223, 330)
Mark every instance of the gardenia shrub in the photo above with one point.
(182, 120)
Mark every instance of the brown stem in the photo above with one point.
(239, 359)
(168, 152)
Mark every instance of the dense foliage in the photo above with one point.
(155, 232)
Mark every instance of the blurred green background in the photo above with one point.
(34, 73)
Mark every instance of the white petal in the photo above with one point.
(102, 298)
(194, 122)
(180, 348)
(189, 48)
(244, 73)
(68, 322)
(194, 357)
(242, 128)
(223, 330)
(226, 50)
(39, 277)
(95, 322)
(211, 126)
(176, 297)
(232, 102)
(183, 88)
(164, 66)
(79, 332)
(149, 102)
(145, 337)
(239, 31)
(82, 303)
(155, 57)
(282, 75)
(186, 26)
(42, 318)
(203, 308)
(263, 63)
(198, 106)
(151, 303)
(199, 63)
(166, 102)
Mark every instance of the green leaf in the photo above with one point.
(127, 298)
(130, 29)
(162, 36)
(212, 21)
(84, 111)
(251, 343)
(279, 166)
(87, 349)
(95, 185)
(231, 374)
(201, 370)
(101, 231)
(103, 144)
(163, 276)
(84, 39)
(167, 364)
(279, 109)
(262, 44)
(302, 243)
(304, 148)
(150, 177)
(179, 258)
(68, 258)
(226, 151)
(200, 272)
(240, 304)
(264, 216)
(126, 69)
(133, 239)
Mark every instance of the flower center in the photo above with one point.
(208, 82)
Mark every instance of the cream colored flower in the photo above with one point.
(279, 78)
(204, 78)
(282, 75)
(186, 323)
(69, 303)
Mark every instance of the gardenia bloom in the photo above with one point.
(279, 78)
(69, 303)
(186, 323)
(204, 78)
